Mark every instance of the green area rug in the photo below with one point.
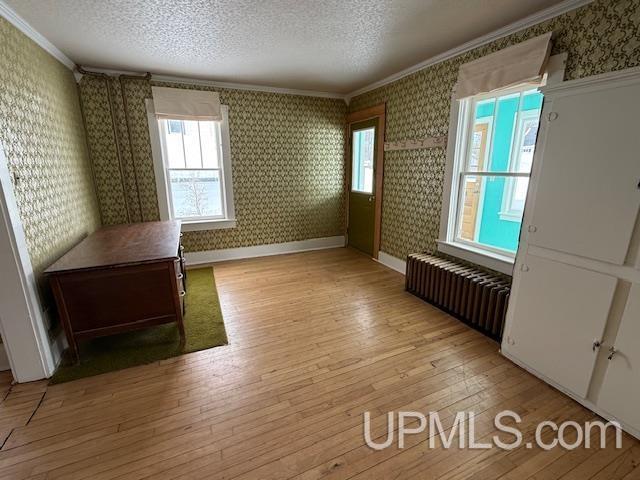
(203, 325)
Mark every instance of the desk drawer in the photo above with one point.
(99, 299)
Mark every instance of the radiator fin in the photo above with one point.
(476, 297)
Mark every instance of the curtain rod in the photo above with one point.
(142, 76)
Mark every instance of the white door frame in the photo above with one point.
(22, 327)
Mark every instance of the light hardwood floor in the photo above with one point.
(316, 339)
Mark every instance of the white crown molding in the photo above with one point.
(21, 24)
(628, 76)
(531, 20)
(246, 86)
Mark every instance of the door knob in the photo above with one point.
(371, 198)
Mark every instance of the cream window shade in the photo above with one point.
(182, 104)
(521, 63)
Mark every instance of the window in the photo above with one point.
(493, 158)
(193, 165)
(362, 160)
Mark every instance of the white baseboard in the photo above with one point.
(58, 346)
(392, 262)
(212, 256)
(582, 401)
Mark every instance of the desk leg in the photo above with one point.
(183, 337)
(64, 318)
(75, 351)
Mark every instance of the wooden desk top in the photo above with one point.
(122, 245)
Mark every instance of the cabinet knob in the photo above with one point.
(552, 116)
(532, 228)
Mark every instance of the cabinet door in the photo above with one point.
(587, 197)
(620, 393)
(558, 311)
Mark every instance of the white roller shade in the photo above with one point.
(521, 63)
(182, 104)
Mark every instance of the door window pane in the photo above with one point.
(196, 193)
(362, 154)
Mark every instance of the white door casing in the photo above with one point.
(21, 321)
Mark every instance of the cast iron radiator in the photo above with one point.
(476, 297)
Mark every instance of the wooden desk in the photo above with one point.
(120, 278)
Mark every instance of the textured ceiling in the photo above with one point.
(327, 45)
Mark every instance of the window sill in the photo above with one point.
(492, 260)
(510, 217)
(195, 226)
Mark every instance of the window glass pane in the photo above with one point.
(482, 218)
(479, 146)
(191, 144)
(517, 196)
(195, 193)
(210, 141)
(478, 157)
(526, 142)
(504, 126)
(497, 133)
(172, 130)
(174, 126)
(362, 154)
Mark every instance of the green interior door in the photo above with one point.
(362, 185)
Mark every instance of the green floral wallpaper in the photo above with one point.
(287, 153)
(43, 137)
(600, 37)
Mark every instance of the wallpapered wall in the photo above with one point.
(600, 37)
(287, 153)
(43, 137)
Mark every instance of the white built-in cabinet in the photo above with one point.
(620, 392)
(574, 312)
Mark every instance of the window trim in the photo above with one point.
(458, 142)
(162, 188)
